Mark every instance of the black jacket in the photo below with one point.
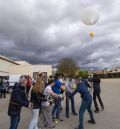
(36, 99)
(17, 100)
(96, 85)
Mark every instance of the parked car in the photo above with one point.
(13, 79)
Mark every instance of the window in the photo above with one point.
(35, 74)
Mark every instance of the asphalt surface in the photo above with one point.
(107, 119)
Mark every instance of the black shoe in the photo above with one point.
(60, 120)
(53, 119)
(52, 127)
(102, 108)
(78, 128)
(67, 116)
(45, 126)
(96, 111)
(91, 121)
(75, 114)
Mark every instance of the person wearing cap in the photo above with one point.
(17, 100)
(85, 103)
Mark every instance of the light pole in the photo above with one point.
(91, 72)
(105, 72)
(116, 72)
(111, 71)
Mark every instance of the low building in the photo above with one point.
(109, 73)
(5, 65)
(31, 70)
(9, 67)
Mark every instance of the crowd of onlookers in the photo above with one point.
(44, 98)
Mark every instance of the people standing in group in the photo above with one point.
(2, 88)
(96, 92)
(69, 85)
(17, 100)
(85, 103)
(36, 98)
(57, 88)
(46, 111)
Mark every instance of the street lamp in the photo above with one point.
(91, 72)
(105, 72)
(116, 71)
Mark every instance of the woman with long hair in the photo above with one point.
(36, 98)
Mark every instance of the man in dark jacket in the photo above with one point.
(96, 92)
(85, 104)
(17, 100)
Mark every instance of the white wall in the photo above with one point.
(8, 68)
(5, 67)
(29, 69)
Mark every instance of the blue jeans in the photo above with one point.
(14, 122)
(67, 103)
(85, 105)
(56, 108)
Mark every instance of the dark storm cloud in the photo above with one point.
(42, 31)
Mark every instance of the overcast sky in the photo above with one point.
(44, 31)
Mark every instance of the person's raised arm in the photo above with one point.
(76, 91)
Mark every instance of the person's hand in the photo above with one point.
(70, 95)
(74, 86)
(30, 106)
(61, 96)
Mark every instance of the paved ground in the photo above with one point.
(107, 119)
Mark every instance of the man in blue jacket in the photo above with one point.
(85, 104)
(17, 100)
(57, 88)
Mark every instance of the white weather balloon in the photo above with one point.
(89, 16)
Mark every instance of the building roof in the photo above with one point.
(8, 60)
(99, 72)
(22, 62)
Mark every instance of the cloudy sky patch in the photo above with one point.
(42, 31)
